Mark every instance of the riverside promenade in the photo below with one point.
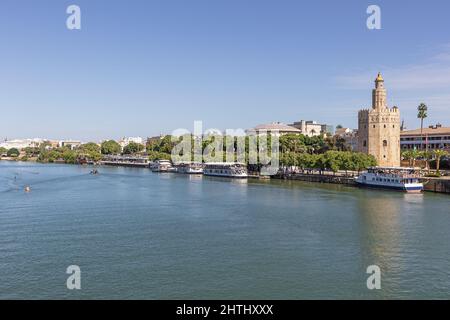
(439, 185)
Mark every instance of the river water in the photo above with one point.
(141, 235)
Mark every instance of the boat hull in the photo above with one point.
(407, 189)
(190, 171)
(225, 175)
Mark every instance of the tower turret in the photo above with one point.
(379, 94)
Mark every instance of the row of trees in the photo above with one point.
(330, 160)
(413, 155)
(88, 151)
(322, 153)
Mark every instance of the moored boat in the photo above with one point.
(226, 169)
(189, 167)
(162, 166)
(394, 178)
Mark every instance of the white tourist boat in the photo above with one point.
(162, 166)
(395, 178)
(226, 169)
(189, 167)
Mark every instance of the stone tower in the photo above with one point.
(379, 128)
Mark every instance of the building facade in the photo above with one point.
(72, 144)
(431, 138)
(312, 128)
(21, 143)
(350, 136)
(379, 128)
(127, 140)
(275, 128)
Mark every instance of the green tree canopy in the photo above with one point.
(133, 148)
(90, 147)
(13, 152)
(110, 147)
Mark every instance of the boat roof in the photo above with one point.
(224, 163)
(187, 162)
(392, 168)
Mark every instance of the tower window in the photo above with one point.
(374, 126)
(385, 143)
(365, 143)
(385, 126)
(393, 126)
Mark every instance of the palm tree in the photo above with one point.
(438, 154)
(408, 155)
(422, 114)
(414, 155)
(426, 155)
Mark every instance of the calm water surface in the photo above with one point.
(137, 234)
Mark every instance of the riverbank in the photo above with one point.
(436, 185)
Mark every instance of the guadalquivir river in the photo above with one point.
(137, 234)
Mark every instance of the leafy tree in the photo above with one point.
(156, 155)
(90, 147)
(336, 143)
(3, 151)
(31, 151)
(133, 148)
(13, 152)
(89, 151)
(333, 161)
(110, 147)
(69, 156)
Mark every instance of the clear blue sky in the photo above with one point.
(140, 68)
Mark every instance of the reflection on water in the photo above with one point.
(137, 234)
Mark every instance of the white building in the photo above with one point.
(350, 136)
(312, 128)
(70, 143)
(21, 143)
(275, 128)
(126, 141)
(431, 138)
